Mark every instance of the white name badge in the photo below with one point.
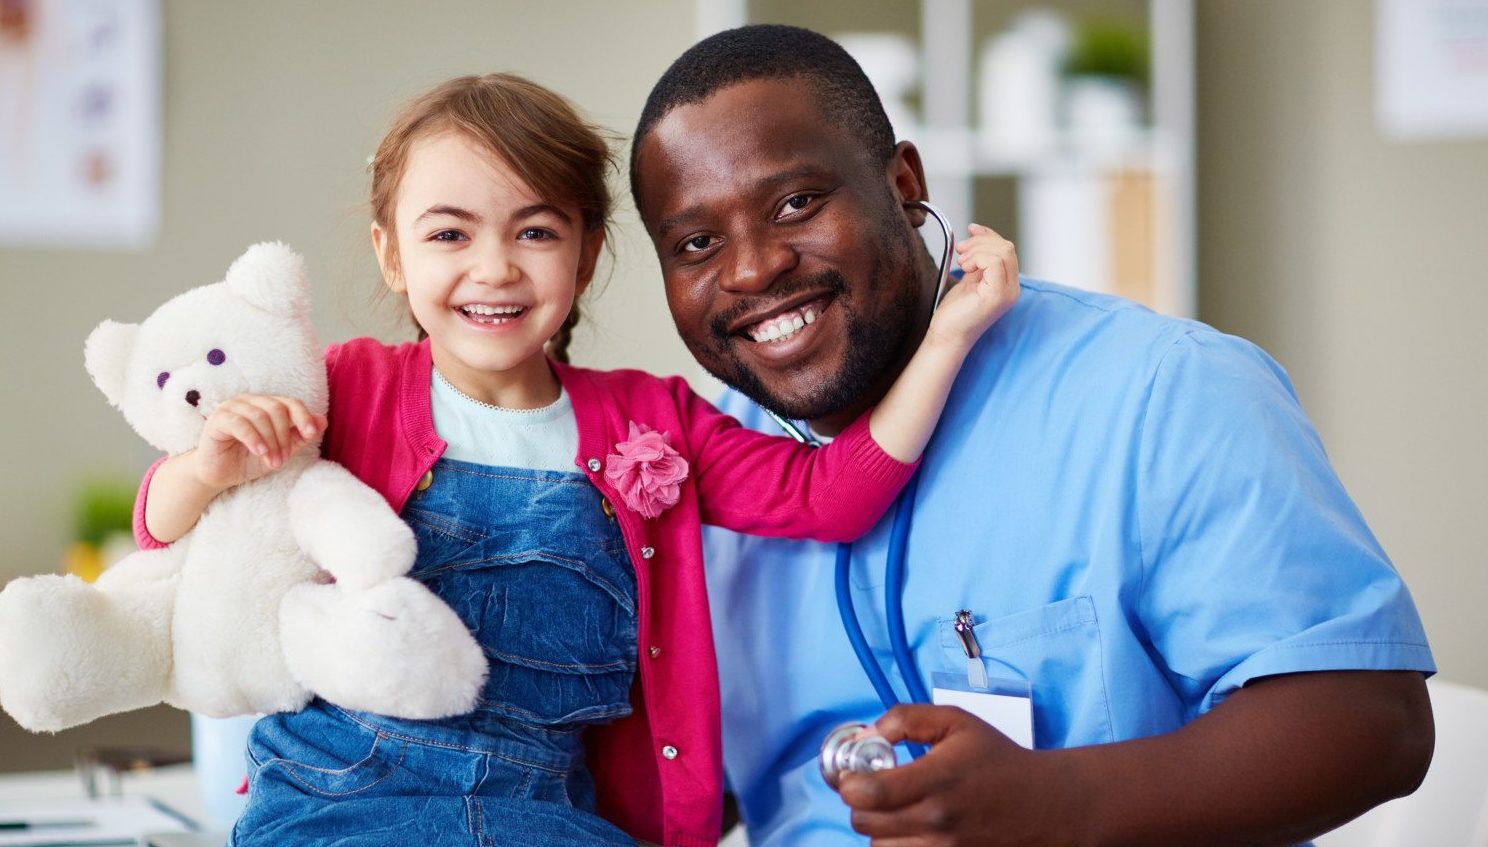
(1005, 704)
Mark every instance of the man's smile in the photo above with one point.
(784, 320)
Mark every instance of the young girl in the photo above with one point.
(557, 509)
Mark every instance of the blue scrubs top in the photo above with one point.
(1137, 513)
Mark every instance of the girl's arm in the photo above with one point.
(244, 438)
(769, 485)
(904, 420)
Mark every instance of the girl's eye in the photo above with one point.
(697, 244)
(535, 233)
(160, 380)
(216, 357)
(447, 235)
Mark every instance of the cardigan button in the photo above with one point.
(594, 465)
(609, 510)
(669, 752)
(655, 652)
(426, 481)
(648, 552)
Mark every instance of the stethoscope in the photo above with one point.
(898, 544)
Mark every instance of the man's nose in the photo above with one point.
(757, 263)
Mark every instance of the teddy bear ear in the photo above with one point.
(272, 277)
(106, 355)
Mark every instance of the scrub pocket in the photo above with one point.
(1055, 648)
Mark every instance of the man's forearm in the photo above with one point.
(1279, 761)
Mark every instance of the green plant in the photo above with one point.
(1109, 48)
(102, 507)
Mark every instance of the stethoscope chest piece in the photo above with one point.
(854, 747)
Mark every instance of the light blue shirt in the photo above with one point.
(1137, 513)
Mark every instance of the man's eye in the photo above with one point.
(797, 202)
(697, 244)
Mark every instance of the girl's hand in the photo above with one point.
(987, 290)
(250, 436)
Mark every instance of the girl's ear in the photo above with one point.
(588, 259)
(387, 263)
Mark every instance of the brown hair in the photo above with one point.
(536, 132)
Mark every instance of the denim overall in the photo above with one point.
(532, 564)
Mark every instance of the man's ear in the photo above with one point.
(907, 177)
(387, 263)
(588, 259)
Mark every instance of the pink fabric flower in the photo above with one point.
(646, 470)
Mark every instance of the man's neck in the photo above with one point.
(833, 424)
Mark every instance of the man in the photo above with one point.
(1133, 508)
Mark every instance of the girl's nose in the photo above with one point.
(495, 267)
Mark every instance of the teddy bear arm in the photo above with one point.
(347, 528)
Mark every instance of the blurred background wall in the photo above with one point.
(1351, 259)
(1361, 265)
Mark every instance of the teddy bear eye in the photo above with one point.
(216, 357)
(160, 380)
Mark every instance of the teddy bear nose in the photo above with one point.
(193, 397)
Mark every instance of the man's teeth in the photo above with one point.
(784, 326)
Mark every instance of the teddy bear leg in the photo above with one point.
(394, 649)
(71, 652)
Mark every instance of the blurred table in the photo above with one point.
(174, 787)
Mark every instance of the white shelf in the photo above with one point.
(1056, 218)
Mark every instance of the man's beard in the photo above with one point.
(873, 347)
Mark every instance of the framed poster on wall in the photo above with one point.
(80, 123)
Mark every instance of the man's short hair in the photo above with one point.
(771, 51)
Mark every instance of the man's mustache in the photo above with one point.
(829, 281)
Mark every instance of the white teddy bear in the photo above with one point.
(238, 616)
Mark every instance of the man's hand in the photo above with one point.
(974, 787)
(1279, 761)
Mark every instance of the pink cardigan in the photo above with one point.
(659, 771)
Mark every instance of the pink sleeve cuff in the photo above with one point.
(869, 458)
(142, 536)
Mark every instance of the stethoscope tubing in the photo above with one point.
(894, 571)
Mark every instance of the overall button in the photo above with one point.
(669, 752)
(648, 552)
(609, 510)
(594, 465)
(426, 481)
(655, 652)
